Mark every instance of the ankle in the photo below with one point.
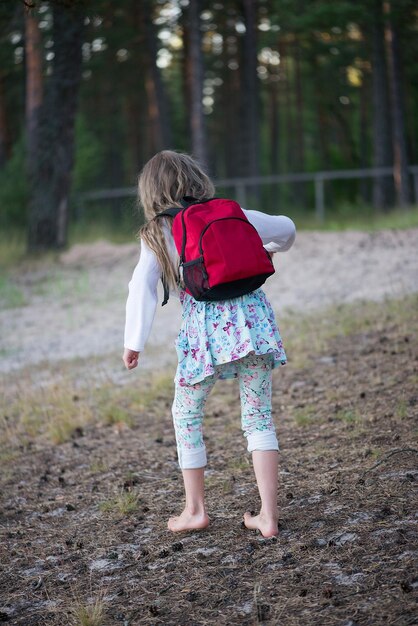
(195, 508)
(269, 514)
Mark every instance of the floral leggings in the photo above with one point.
(254, 373)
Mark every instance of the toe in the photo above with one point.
(249, 520)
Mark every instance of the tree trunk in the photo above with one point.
(299, 189)
(249, 93)
(34, 83)
(401, 165)
(382, 137)
(288, 109)
(158, 123)
(229, 102)
(195, 63)
(364, 143)
(51, 164)
(322, 126)
(135, 124)
(346, 139)
(274, 123)
(158, 105)
(5, 138)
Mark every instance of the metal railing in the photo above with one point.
(241, 185)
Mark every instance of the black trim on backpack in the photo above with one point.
(234, 289)
(169, 213)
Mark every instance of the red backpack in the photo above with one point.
(221, 253)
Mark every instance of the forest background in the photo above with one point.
(89, 90)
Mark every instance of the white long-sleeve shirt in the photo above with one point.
(277, 233)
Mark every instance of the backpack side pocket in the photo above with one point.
(195, 277)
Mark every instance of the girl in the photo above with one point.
(224, 339)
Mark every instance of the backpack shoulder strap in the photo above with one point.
(185, 203)
(169, 213)
(166, 291)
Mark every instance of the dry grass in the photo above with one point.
(124, 503)
(88, 615)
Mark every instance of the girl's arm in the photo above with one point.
(277, 230)
(142, 300)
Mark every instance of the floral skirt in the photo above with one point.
(220, 333)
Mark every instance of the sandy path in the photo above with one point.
(76, 309)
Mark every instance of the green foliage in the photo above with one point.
(12, 246)
(14, 190)
(88, 157)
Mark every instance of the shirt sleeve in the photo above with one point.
(277, 232)
(142, 300)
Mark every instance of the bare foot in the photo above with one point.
(188, 521)
(266, 525)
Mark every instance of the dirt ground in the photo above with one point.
(346, 413)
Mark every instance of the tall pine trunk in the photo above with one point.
(249, 93)
(135, 124)
(401, 164)
(382, 136)
(51, 162)
(195, 83)
(299, 189)
(5, 138)
(274, 123)
(229, 103)
(158, 117)
(364, 141)
(34, 85)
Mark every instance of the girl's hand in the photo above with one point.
(130, 358)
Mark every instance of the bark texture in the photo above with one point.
(195, 83)
(401, 161)
(250, 92)
(382, 135)
(51, 154)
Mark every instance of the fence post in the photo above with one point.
(319, 199)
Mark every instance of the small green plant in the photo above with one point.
(401, 409)
(117, 415)
(6, 456)
(239, 463)
(305, 417)
(61, 429)
(227, 487)
(125, 502)
(99, 467)
(88, 614)
(348, 415)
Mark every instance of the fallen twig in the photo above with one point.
(387, 456)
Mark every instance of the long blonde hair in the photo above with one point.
(164, 180)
